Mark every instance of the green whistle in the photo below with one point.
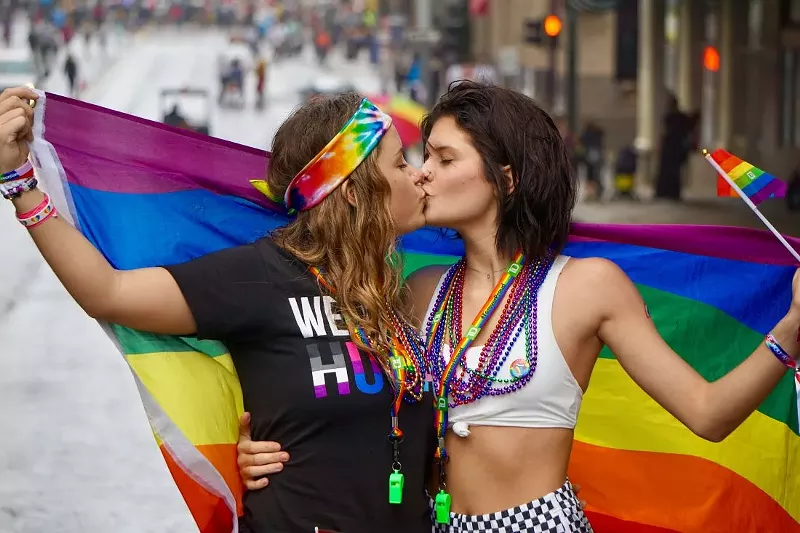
(396, 482)
(441, 403)
(442, 507)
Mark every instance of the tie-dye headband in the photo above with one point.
(334, 163)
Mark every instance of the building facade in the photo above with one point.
(749, 99)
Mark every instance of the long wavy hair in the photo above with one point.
(354, 246)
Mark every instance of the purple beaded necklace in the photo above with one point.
(519, 316)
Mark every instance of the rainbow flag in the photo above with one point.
(754, 182)
(147, 195)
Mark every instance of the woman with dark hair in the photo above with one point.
(515, 327)
(338, 163)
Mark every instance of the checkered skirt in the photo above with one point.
(557, 512)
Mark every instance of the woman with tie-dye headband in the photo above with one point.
(337, 165)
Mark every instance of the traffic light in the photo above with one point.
(552, 26)
(455, 32)
(544, 31)
(711, 59)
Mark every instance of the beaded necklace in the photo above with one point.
(406, 362)
(454, 379)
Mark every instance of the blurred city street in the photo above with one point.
(76, 451)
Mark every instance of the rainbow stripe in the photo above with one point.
(754, 182)
(712, 292)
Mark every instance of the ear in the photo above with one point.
(509, 179)
(348, 193)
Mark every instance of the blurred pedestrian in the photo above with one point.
(71, 72)
(261, 80)
(591, 150)
(676, 143)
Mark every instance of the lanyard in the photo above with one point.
(400, 362)
(442, 501)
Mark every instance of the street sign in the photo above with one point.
(508, 61)
(533, 31)
(424, 36)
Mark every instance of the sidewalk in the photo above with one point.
(712, 211)
(700, 205)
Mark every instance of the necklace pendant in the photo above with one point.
(520, 368)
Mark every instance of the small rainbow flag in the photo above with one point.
(754, 182)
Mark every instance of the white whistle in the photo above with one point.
(461, 429)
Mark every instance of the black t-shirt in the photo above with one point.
(308, 388)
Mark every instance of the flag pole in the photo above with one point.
(751, 205)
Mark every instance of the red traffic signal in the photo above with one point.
(711, 59)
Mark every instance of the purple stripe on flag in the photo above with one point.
(148, 157)
(344, 388)
(320, 391)
(741, 244)
(774, 189)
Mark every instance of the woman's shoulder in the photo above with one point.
(422, 283)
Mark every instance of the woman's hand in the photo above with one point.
(257, 459)
(16, 126)
(576, 489)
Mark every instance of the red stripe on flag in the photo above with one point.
(726, 160)
(720, 156)
(724, 188)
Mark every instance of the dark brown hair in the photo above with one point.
(508, 128)
(351, 245)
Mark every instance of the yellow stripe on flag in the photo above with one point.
(196, 391)
(616, 413)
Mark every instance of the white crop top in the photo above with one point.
(551, 399)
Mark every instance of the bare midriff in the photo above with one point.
(498, 468)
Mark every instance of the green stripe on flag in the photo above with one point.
(700, 332)
(136, 342)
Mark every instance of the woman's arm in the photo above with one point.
(711, 410)
(147, 299)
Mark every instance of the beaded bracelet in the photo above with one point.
(22, 172)
(782, 355)
(14, 189)
(37, 215)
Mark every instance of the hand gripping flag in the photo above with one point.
(147, 195)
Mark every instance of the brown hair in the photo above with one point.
(353, 246)
(508, 128)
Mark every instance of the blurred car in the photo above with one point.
(326, 86)
(17, 67)
(186, 108)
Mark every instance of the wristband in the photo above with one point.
(778, 351)
(22, 172)
(37, 215)
(14, 189)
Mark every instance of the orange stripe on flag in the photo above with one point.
(726, 160)
(224, 458)
(210, 512)
(678, 492)
(602, 523)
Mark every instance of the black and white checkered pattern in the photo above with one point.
(557, 512)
